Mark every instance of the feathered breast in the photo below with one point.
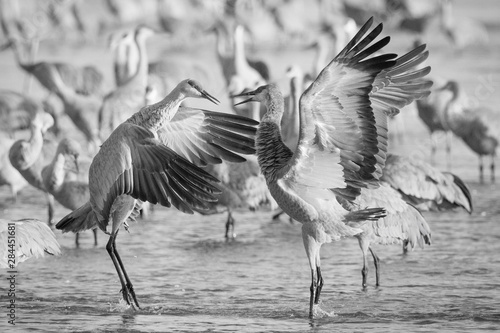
(272, 153)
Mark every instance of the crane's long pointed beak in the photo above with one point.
(249, 93)
(209, 97)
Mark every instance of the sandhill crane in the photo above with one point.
(82, 110)
(478, 127)
(242, 186)
(342, 142)
(126, 99)
(25, 156)
(141, 161)
(290, 120)
(424, 186)
(225, 47)
(163, 75)
(245, 77)
(431, 112)
(8, 174)
(70, 194)
(33, 239)
(126, 56)
(403, 224)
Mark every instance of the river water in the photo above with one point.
(188, 278)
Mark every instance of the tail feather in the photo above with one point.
(417, 230)
(467, 203)
(79, 220)
(357, 218)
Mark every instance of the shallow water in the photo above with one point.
(188, 278)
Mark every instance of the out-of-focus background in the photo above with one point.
(187, 276)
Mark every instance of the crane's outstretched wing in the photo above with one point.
(133, 162)
(395, 88)
(341, 144)
(424, 186)
(338, 137)
(203, 136)
(33, 239)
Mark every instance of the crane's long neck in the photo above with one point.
(240, 60)
(221, 45)
(154, 116)
(272, 153)
(291, 118)
(55, 173)
(452, 108)
(141, 76)
(35, 143)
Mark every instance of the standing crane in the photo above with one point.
(142, 160)
(478, 127)
(26, 156)
(342, 144)
(126, 99)
(431, 112)
(70, 194)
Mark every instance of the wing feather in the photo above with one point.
(343, 114)
(338, 136)
(133, 162)
(209, 137)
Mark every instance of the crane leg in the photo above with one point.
(376, 262)
(312, 289)
(364, 270)
(319, 285)
(448, 150)
(312, 248)
(405, 246)
(77, 239)
(127, 288)
(95, 236)
(230, 225)
(481, 170)
(50, 203)
(492, 167)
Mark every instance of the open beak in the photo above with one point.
(245, 94)
(209, 97)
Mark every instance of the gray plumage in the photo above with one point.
(142, 160)
(342, 143)
(424, 186)
(8, 174)
(126, 99)
(27, 158)
(478, 127)
(242, 186)
(402, 224)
